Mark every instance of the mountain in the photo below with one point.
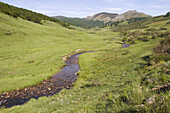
(104, 16)
(80, 22)
(129, 14)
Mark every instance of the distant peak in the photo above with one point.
(130, 14)
(104, 12)
(103, 16)
(132, 11)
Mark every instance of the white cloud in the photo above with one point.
(113, 9)
(111, 1)
(155, 6)
(82, 8)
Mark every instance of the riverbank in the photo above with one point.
(62, 80)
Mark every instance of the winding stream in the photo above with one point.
(49, 87)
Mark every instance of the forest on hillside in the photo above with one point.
(27, 14)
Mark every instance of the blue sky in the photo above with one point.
(83, 8)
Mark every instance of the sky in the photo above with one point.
(84, 8)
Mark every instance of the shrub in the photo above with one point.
(157, 57)
(151, 29)
(162, 28)
(125, 33)
(139, 37)
(148, 33)
(168, 23)
(145, 38)
(162, 51)
(154, 36)
(131, 37)
(124, 39)
(133, 41)
(167, 33)
(160, 34)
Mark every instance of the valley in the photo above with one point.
(127, 73)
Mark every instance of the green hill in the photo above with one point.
(80, 22)
(134, 79)
(144, 23)
(27, 14)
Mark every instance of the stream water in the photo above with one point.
(125, 45)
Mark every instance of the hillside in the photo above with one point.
(107, 17)
(80, 22)
(27, 14)
(104, 16)
(128, 15)
(36, 48)
(144, 24)
(113, 78)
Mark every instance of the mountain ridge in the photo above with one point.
(106, 17)
(130, 14)
(103, 16)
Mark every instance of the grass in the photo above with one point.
(110, 80)
(105, 77)
(159, 24)
(31, 52)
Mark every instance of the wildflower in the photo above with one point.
(161, 62)
(146, 66)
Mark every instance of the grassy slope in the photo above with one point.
(81, 22)
(109, 81)
(31, 52)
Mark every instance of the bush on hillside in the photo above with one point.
(163, 47)
(168, 23)
(160, 34)
(124, 39)
(148, 33)
(132, 41)
(145, 38)
(154, 36)
(161, 52)
(162, 28)
(151, 29)
(167, 33)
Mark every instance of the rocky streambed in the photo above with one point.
(63, 79)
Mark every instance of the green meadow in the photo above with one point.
(110, 80)
(31, 52)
